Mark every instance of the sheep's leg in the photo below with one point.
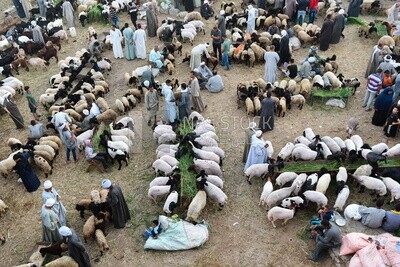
(126, 162)
(248, 180)
(120, 165)
(273, 224)
(285, 222)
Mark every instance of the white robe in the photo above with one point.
(58, 207)
(271, 65)
(257, 154)
(251, 20)
(68, 13)
(155, 56)
(140, 43)
(195, 55)
(393, 13)
(169, 104)
(116, 39)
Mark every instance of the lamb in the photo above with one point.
(341, 198)
(298, 100)
(285, 177)
(258, 170)
(196, 206)
(282, 107)
(158, 131)
(352, 125)
(287, 202)
(316, 197)
(3, 207)
(393, 186)
(162, 166)
(278, 195)
(353, 82)
(171, 203)
(216, 194)
(89, 228)
(64, 261)
(285, 152)
(43, 165)
(393, 151)
(101, 241)
(158, 191)
(249, 106)
(277, 213)
(206, 155)
(209, 166)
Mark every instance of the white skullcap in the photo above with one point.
(252, 125)
(33, 23)
(222, 12)
(65, 231)
(258, 133)
(146, 83)
(250, 7)
(85, 112)
(283, 33)
(106, 183)
(341, 11)
(202, 63)
(50, 202)
(311, 59)
(47, 184)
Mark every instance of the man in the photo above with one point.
(305, 71)
(393, 12)
(86, 122)
(94, 109)
(50, 222)
(215, 83)
(76, 249)
(313, 10)
(129, 43)
(68, 13)
(10, 106)
(169, 104)
(42, 8)
(147, 75)
(69, 140)
(331, 238)
(271, 64)
(152, 103)
(203, 73)
(140, 42)
(374, 61)
(113, 15)
(156, 57)
(326, 33)
(373, 217)
(267, 113)
(216, 41)
(37, 33)
(119, 208)
(338, 26)
(248, 133)
(36, 129)
(116, 39)
(197, 53)
(396, 89)
(133, 13)
(221, 22)
(355, 8)
(197, 100)
(60, 118)
(51, 193)
(251, 19)
(302, 6)
(290, 9)
(386, 65)
(374, 84)
(392, 220)
(226, 46)
(257, 153)
(284, 51)
(183, 103)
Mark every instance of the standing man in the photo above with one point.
(151, 17)
(152, 103)
(183, 103)
(116, 39)
(354, 8)
(60, 118)
(50, 222)
(50, 193)
(10, 106)
(267, 113)
(197, 100)
(76, 249)
(69, 140)
(68, 13)
(24, 169)
(331, 238)
(133, 13)
(31, 102)
(338, 27)
(290, 8)
(119, 209)
(169, 104)
(129, 43)
(374, 84)
(284, 51)
(37, 33)
(326, 33)
(257, 153)
(271, 64)
(302, 10)
(221, 22)
(251, 19)
(113, 16)
(196, 54)
(313, 10)
(42, 8)
(226, 46)
(248, 133)
(139, 38)
(216, 41)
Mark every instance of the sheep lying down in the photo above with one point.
(178, 235)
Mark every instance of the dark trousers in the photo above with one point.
(217, 47)
(102, 158)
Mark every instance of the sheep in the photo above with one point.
(316, 197)
(318, 81)
(339, 141)
(88, 228)
(46, 148)
(341, 198)
(214, 180)
(334, 81)
(258, 170)
(196, 206)
(278, 195)
(203, 128)
(43, 165)
(166, 138)
(118, 145)
(53, 138)
(323, 183)
(371, 183)
(216, 194)
(298, 100)
(166, 147)
(72, 113)
(353, 82)
(205, 141)
(332, 145)
(170, 160)
(298, 183)
(363, 170)
(158, 131)
(305, 38)
(194, 15)
(393, 151)
(285, 152)
(162, 166)
(277, 213)
(171, 203)
(3, 207)
(101, 241)
(102, 103)
(341, 179)
(158, 191)
(380, 148)
(392, 186)
(187, 34)
(249, 106)
(206, 155)
(282, 107)
(108, 115)
(210, 134)
(215, 149)
(209, 166)
(83, 137)
(387, 40)
(82, 205)
(285, 177)
(120, 106)
(14, 143)
(309, 134)
(287, 202)
(64, 261)
(304, 154)
(358, 142)
(122, 138)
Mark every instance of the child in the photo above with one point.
(291, 69)
(387, 79)
(153, 230)
(31, 102)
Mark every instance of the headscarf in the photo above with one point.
(384, 100)
(50, 202)
(88, 142)
(341, 11)
(65, 231)
(283, 33)
(258, 133)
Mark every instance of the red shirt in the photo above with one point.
(313, 4)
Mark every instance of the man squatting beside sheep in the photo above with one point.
(76, 249)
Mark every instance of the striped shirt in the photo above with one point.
(374, 82)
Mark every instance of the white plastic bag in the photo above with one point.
(72, 31)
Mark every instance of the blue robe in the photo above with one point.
(58, 207)
(169, 104)
(27, 175)
(129, 43)
(155, 57)
(257, 153)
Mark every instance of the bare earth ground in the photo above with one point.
(240, 235)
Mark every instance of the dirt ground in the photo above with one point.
(240, 235)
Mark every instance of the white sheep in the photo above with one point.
(167, 147)
(309, 134)
(393, 187)
(365, 170)
(341, 176)
(334, 81)
(158, 191)
(215, 180)
(187, 34)
(372, 183)
(121, 145)
(36, 63)
(351, 212)
(287, 202)
(171, 202)
(302, 140)
(278, 195)
(258, 170)
(304, 154)
(170, 160)
(393, 151)
(325, 151)
(350, 145)
(89, 228)
(196, 206)
(215, 149)
(46, 148)
(340, 142)
(3, 207)
(101, 241)
(380, 148)
(122, 138)
(120, 106)
(125, 131)
(161, 180)
(163, 153)
(162, 166)
(204, 128)
(323, 183)
(341, 198)
(267, 189)
(209, 166)
(285, 177)
(316, 197)
(210, 134)
(202, 154)
(43, 165)
(358, 142)
(279, 213)
(158, 131)
(298, 183)
(64, 261)
(206, 141)
(83, 137)
(166, 138)
(286, 151)
(216, 194)
(194, 114)
(194, 15)
(332, 145)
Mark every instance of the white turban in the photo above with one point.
(202, 63)
(146, 83)
(65, 231)
(252, 125)
(106, 183)
(283, 33)
(250, 7)
(33, 23)
(85, 112)
(222, 12)
(258, 133)
(50, 202)
(47, 184)
(311, 59)
(341, 11)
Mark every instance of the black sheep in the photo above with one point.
(373, 159)
(391, 172)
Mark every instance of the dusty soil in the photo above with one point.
(240, 235)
